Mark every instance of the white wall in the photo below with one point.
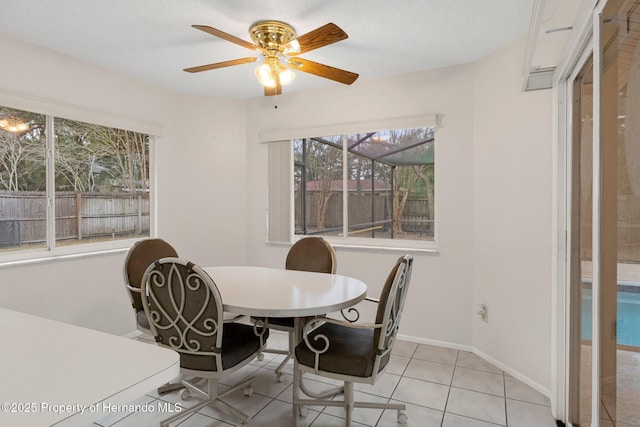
(512, 217)
(202, 146)
(201, 180)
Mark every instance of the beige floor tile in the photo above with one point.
(418, 416)
(481, 406)
(518, 390)
(484, 382)
(384, 387)
(397, 364)
(423, 393)
(452, 420)
(429, 371)
(436, 354)
(472, 361)
(524, 414)
(404, 348)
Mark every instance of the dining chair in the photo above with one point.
(355, 352)
(313, 254)
(140, 256)
(185, 313)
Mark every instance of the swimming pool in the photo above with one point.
(628, 317)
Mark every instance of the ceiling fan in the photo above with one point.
(279, 46)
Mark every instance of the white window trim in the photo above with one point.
(405, 122)
(34, 104)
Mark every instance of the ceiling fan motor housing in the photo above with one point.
(270, 35)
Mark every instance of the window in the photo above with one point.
(93, 188)
(372, 185)
(354, 186)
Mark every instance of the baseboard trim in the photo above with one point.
(514, 373)
(437, 343)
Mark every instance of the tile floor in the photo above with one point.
(441, 388)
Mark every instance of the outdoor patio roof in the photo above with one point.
(408, 147)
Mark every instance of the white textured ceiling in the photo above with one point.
(152, 40)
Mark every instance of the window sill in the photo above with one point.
(36, 256)
(382, 248)
(368, 245)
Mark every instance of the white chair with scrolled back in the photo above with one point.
(186, 314)
(355, 352)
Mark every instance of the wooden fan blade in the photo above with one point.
(322, 70)
(226, 36)
(221, 64)
(321, 36)
(276, 90)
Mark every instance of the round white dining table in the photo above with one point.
(275, 292)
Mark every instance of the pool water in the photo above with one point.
(628, 317)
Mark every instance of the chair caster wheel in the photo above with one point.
(303, 411)
(185, 395)
(248, 391)
(280, 377)
(402, 417)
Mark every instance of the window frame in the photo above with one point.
(51, 110)
(281, 136)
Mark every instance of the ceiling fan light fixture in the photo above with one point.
(291, 48)
(285, 74)
(13, 125)
(266, 74)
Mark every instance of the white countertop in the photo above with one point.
(51, 371)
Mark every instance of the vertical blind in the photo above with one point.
(280, 171)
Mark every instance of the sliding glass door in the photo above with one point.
(604, 200)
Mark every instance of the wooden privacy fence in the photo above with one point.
(78, 216)
(415, 217)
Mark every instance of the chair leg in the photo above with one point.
(211, 397)
(184, 413)
(242, 384)
(348, 402)
(169, 387)
(292, 346)
(224, 406)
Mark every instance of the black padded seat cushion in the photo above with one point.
(238, 342)
(350, 351)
